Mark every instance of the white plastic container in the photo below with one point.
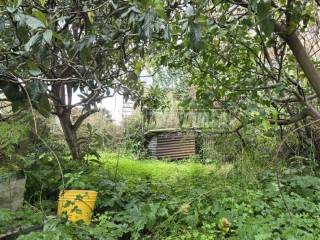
(12, 188)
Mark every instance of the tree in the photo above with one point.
(246, 57)
(256, 59)
(52, 50)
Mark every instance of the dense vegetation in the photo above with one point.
(151, 199)
(242, 75)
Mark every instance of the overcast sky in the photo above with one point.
(114, 104)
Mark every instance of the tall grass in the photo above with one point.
(244, 170)
(158, 169)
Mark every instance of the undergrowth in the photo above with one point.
(124, 166)
(152, 199)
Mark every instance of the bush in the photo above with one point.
(13, 142)
(42, 168)
(134, 139)
(100, 129)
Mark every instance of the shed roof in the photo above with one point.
(154, 132)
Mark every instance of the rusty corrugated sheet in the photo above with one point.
(172, 145)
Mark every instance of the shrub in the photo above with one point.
(100, 127)
(13, 142)
(134, 139)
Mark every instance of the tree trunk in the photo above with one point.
(316, 145)
(312, 75)
(63, 111)
(301, 56)
(70, 135)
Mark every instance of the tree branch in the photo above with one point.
(77, 124)
(296, 118)
(301, 56)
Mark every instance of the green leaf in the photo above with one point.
(263, 9)
(40, 16)
(282, 2)
(196, 35)
(42, 2)
(264, 17)
(32, 41)
(22, 34)
(12, 92)
(47, 36)
(159, 8)
(38, 96)
(56, 35)
(163, 212)
(85, 54)
(167, 33)
(17, 3)
(36, 89)
(189, 10)
(33, 22)
(132, 76)
(147, 27)
(11, 9)
(35, 72)
(43, 106)
(252, 5)
(267, 26)
(192, 220)
(266, 124)
(137, 67)
(91, 17)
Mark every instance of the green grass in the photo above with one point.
(245, 192)
(158, 170)
(186, 200)
(184, 180)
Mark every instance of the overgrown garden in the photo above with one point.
(240, 77)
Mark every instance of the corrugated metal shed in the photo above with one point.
(171, 143)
